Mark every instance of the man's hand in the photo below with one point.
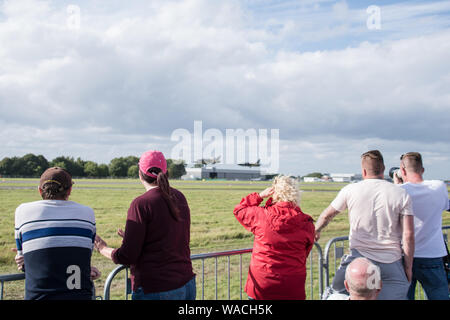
(397, 180)
(317, 236)
(121, 233)
(99, 243)
(18, 259)
(409, 273)
(95, 273)
(267, 192)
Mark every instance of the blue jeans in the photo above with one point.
(431, 274)
(186, 292)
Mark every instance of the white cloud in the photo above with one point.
(127, 78)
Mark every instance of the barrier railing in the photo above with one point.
(323, 262)
(339, 253)
(216, 255)
(202, 257)
(9, 278)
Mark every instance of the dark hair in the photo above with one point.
(54, 191)
(373, 162)
(162, 182)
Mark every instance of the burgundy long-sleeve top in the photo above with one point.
(155, 246)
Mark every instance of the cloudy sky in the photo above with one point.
(98, 79)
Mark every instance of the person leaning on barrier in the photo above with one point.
(54, 239)
(156, 238)
(429, 200)
(284, 237)
(381, 227)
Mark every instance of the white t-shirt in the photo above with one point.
(375, 207)
(429, 200)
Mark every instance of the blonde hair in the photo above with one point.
(286, 190)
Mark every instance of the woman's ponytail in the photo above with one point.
(163, 184)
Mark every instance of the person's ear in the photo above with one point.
(364, 172)
(346, 286)
(40, 191)
(68, 193)
(403, 170)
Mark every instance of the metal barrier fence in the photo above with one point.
(339, 253)
(9, 278)
(313, 281)
(226, 254)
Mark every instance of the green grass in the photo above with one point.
(213, 225)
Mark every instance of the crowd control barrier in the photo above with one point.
(223, 270)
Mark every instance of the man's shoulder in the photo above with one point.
(435, 184)
(426, 184)
(78, 205)
(29, 205)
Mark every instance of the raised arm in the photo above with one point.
(324, 219)
(247, 212)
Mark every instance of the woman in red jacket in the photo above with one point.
(284, 236)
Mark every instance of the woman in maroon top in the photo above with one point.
(156, 239)
(284, 237)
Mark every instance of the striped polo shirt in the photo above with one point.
(56, 239)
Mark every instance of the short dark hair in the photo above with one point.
(373, 162)
(412, 161)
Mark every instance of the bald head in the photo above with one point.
(372, 163)
(363, 279)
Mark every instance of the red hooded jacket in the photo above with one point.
(284, 236)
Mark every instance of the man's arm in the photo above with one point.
(408, 244)
(324, 219)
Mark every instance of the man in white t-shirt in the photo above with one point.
(381, 227)
(429, 200)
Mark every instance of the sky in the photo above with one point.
(99, 79)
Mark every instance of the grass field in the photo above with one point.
(213, 226)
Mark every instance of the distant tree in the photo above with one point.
(29, 165)
(176, 169)
(91, 169)
(6, 166)
(118, 167)
(131, 161)
(133, 171)
(103, 171)
(33, 166)
(76, 168)
(314, 175)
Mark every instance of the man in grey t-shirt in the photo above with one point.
(381, 227)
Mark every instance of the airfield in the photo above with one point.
(213, 225)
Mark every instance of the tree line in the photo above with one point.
(31, 165)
